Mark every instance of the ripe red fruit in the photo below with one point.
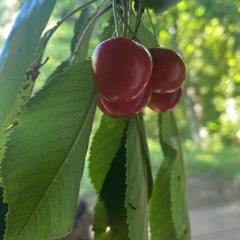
(163, 102)
(122, 69)
(168, 70)
(125, 109)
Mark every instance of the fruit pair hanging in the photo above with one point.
(129, 77)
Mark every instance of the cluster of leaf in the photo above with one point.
(44, 140)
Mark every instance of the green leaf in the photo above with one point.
(17, 53)
(112, 196)
(171, 145)
(169, 187)
(59, 69)
(83, 32)
(107, 171)
(24, 93)
(145, 151)
(137, 184)
(44, 160)
(3, 212)
(179, 202)
(79, 29)
(108, 30)
(161, 222)
(104, 148)
(159, 5)
(146, 37)
(39, 52)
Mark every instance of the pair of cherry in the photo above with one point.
(130, 77)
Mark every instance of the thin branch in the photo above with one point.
(87, 29)
(48, 34)
(128, 27)
(152, 25)
(115, 13)
(74, 11)
(142, 133)
(139, 17)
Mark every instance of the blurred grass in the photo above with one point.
(222, 162)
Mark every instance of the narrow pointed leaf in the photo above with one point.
(179, 203)
(104, 148)
(10, 58)
(137, 184)
(171, 145)
(161, 222)
(146, 37)
(89, 19)
(44, 160)
(145, 151)
(112, 195)
(80, 25)
(107, 172)
(17, 52)
(169, 187)
(22, 98)
(108, 30)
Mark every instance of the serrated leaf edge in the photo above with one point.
(91, 108)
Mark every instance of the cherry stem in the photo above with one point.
(115, 14)
(129, 15)
(66, 17)
(128, 27)
(139, 17)
(142, 133)
(123, 8)
(152, 25)
(125, 4)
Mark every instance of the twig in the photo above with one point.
(115, 11)
(87, 29)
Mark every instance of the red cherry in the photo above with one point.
(163, 102)
(125, 109)
(122, 69)
(168, 70)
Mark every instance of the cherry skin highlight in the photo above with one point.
(168, 70)
(125, 109)
(164, 102)
(122, 69)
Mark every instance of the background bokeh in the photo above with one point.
(207, 35)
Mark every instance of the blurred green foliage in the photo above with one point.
(206, 33)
